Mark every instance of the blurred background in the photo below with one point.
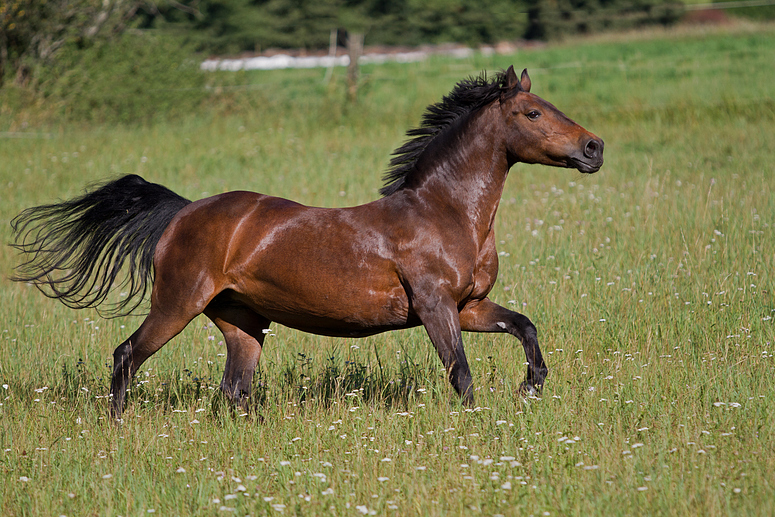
(90, 60)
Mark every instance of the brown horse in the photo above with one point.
(423, 254)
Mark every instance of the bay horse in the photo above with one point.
(422, 254)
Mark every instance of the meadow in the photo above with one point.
(650, 282)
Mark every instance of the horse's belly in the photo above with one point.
(339, 328)
(333, 309)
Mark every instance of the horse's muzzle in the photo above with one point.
(592, 158)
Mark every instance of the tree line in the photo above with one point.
(35, 33)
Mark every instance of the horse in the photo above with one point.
(422, 254)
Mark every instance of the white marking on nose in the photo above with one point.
(501, 325)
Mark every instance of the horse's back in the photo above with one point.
(205, 229)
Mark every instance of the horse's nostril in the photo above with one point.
(593, 149)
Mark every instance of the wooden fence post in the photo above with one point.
(354, 50)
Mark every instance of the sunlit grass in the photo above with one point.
(650, 283)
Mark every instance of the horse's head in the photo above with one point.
(537, 132)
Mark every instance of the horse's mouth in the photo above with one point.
(584, 166)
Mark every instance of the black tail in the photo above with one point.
(76, 250)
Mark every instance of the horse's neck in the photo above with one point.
(469, 175)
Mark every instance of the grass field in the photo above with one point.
(650, 282)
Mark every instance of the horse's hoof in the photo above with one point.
(529, 391)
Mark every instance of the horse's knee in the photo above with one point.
(526, 329)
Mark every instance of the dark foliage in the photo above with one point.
(553, 19)
(232, 26)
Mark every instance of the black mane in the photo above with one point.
(468, 96)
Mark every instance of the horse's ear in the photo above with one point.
(524, 82)
(511, 79)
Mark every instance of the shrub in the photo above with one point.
(137, 77)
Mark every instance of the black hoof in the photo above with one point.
(528, 390)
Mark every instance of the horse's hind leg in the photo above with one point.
(157, 329)
(243, 331)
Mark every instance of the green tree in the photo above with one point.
(552, 19)
(230, 26)
(33, 32)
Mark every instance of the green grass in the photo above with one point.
(650, 283)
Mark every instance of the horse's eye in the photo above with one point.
(533, 114)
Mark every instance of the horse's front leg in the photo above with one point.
(439, 316)
(486, 316)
